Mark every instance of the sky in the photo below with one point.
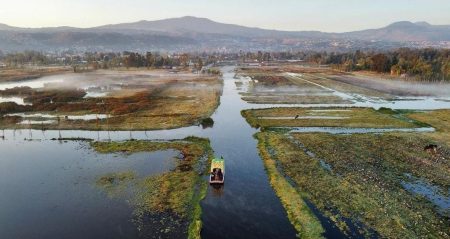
(321, 15)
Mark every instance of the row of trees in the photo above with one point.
(147, 60)
(26, 57)
(108, 60)
(423, 64)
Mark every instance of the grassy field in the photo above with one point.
(337, 117)
(172, 196)
(359, 177)
(144, 103)
(18, 74)
(440, 119)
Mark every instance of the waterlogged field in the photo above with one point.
(121, 100)
(167, 204)
(368, 185)
(272, 87)
(381, 184)
(373, 162)
(321, 86)
(126, 189)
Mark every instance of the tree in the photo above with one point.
(199, 64)
(380, 63)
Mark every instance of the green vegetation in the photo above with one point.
(363, 179)
(310, 117)
(115, 183)
(207, 122)
(178, 192)
(440, 120)
(358, 180)
(304, 221)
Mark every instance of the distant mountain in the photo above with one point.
(4, 27)
(201, 34)
(405, 31)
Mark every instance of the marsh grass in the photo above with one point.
(352, 117)
(364, 183)
(116, 183)
(177, 192)
(165, 105)
(20, 74)
(299, 214)
(439, 119)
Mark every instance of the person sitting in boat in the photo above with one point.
(219, 174)
(214, 174)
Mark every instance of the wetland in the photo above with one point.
(308, 155)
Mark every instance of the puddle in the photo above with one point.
(431, 192)
(87, 117)
(91, 94)
(34, 122)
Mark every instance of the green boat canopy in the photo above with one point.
(218, 163)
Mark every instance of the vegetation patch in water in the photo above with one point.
(115, 183)
(173, 195)
(350, 117)
(300, 215)
(143, 104)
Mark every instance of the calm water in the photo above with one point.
(47, 188)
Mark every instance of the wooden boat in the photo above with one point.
(217, 171)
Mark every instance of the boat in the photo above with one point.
(217, 171)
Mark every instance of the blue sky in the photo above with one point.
(323, 15)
